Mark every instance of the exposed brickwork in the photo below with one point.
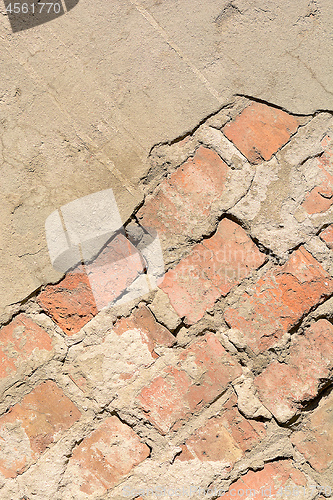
(211, 270)
(279, 299)
(276, 480)
(129, 409)
(315, 438)
(32, 425)
(20, 341)
(282, 387)
(106, 456)
(226, 437)
(203, 372)
(320, 198)
(184, 200)
(260, 130)
(327, 236)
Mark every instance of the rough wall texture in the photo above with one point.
(219, 383)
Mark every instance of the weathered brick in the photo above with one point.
(276, 480)
(203, 372)
(320, 198)
(184, 200)
(260, 130)
(327, 236)
(101, 370)
(23, 346)
(223, 438)
(103, 458)
(283, 387)
(78, 297)
(279, 299)
(70, 303)
(211, 270)
(32, 425)
(315, 438)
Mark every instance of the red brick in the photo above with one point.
(320, 198)
(106, 456)
(32, 425)
(283, 388)
(70, 303)
(223, 438)
(22, 342)
(315, 439)
(211, 270)
(203, 372)
(78, 297)
(327, 236)
(279, 299)
(276, 480)
(260, 130)
(184, 200)
(152, 333)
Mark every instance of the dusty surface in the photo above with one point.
(85, 97)
(219, 381)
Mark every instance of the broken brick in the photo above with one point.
(284, 387)
(223, 438)
(276, 480)
(74, 301)
(211, 270)
(104, 457)
(315, 438)
(203, 372)
(29, 427)
(327, 236)
(185, 199)
(279, 299)
(260, 130)
(23, 343)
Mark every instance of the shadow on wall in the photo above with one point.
(27, 14)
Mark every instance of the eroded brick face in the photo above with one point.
(279, 300)
(211, 270)
(327, 236)
(32, 425)
(260, 130)
(106, 456)
(223, 438)
(276, 480)
(284, 387)
(20, 341)
(185, 199)
(203, 372)
(315, 437)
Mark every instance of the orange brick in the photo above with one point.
(327, 236)
(70, 303)
(78, 297)
(283, 387)
(260, 130)
(20, 341)
(184, 200)
(223, 438)
(315, 438)
(32, 425)
(276, 480)
(204, 371)
(280, 299)
(106, 456)
(211, 270)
